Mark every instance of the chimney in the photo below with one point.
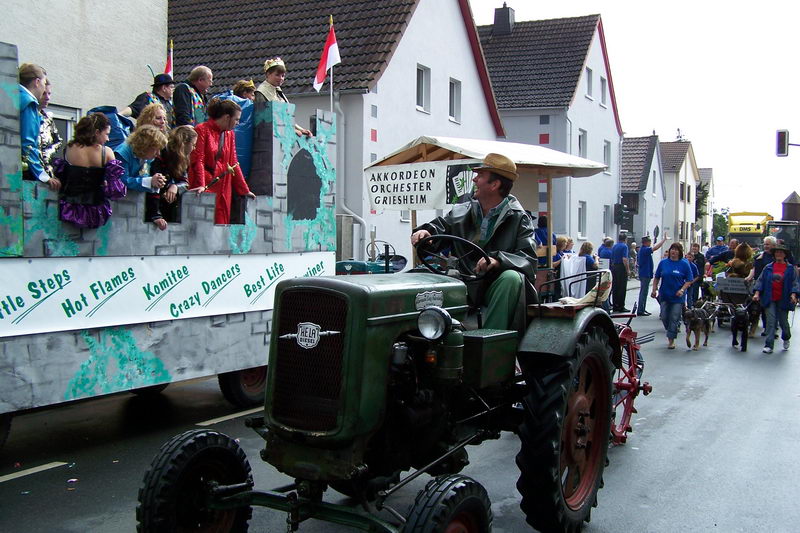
(503, 21)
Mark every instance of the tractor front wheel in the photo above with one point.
(564, 436)
(451, 504)
(176, 486)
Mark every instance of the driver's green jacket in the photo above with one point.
(510, 239)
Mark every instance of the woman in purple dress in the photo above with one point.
(90, 175)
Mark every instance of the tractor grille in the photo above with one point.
(308, 381)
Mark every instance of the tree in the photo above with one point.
(701, 201)
(720, 224)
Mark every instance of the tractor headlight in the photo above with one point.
(434, 323)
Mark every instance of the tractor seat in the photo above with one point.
(555, 310)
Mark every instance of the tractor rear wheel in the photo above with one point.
(450, 504)
(565, 435)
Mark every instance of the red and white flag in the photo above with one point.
(168, 66)
(330, 57)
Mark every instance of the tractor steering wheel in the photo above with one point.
(454, 260)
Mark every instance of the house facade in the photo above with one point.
(642, 186)
(555, 89)
(681, 177)
(409, 68)
(88, 63)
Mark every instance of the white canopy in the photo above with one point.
(531, 160)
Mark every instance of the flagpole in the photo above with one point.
(331, 25)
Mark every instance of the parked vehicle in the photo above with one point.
(748, 227)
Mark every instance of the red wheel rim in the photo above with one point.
(462, 523)
(582, 437)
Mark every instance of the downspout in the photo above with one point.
(341, 158)
(569, 180)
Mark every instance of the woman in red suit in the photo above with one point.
(215, 167)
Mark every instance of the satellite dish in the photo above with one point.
(655, 233)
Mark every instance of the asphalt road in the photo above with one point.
(714, 448)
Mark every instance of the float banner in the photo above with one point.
(66, 293)
(430, 185)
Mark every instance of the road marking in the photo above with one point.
(30, 471)
(229, 417)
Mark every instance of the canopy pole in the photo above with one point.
(550, 250)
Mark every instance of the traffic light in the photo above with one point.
(618, 214)
(782, 148)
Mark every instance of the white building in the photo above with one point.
(554, 88)
(681, 177)
(92, 55)
(642, 185)
(409, 69)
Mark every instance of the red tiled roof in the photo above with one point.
(637, 158)
(234, 38)
(673, 154)
(540, 62)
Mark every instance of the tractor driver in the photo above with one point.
(494, 220)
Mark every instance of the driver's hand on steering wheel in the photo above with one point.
(483, 266)
(419, 235)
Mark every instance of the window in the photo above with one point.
(588, 82)
(654, 183)
(607, 155)
(688, 193)
(683, 191)
(65, 119)
(582, 219)
(455, 100)
(544, 120)
(373, 157)
(607, 220)
(373, 135)
(544, 138)
(583, 139)
(374, 111)
(423, 89)
(603, 90)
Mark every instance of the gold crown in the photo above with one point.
(274, 62)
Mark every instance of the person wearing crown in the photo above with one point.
(270, 89)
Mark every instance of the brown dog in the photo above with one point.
(696, 320)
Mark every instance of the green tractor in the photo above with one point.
(372, 377)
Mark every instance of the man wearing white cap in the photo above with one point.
(496, 221)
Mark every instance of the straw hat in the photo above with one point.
(500, 165)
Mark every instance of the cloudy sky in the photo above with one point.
(728, 77)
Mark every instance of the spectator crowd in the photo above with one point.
(182, 141)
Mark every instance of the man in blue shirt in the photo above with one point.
(619, 274)
(714, 251)
(646, 272)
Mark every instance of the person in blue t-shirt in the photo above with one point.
(619, 274)
(646, 271)
(672, 279)
(690, 295)
(604, 252)
(714, 251)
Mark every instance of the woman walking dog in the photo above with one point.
(674, 275)
(776, 289)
